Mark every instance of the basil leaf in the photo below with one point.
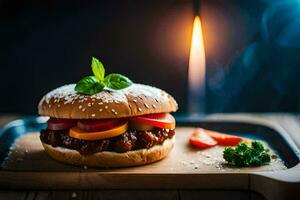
(89, 85)
(117, 81)
(98, 69)
(93, 84)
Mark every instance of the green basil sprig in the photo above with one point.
(93, 84)
(117, 81)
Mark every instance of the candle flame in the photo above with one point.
(196, 72)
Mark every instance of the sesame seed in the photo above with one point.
(89, 104)
(146, 105)
(93, 99)
(140, 109)
(100, 109)
(134, 100)
(154, 106)
(83, 109)
(106, 107)
(100, 103)
(93, 115)
(58, 105)
(80, 106)
(115, 113)
(113, 110)
(49, 106)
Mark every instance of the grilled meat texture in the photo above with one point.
(128, 141)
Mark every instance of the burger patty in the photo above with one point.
(128, 141)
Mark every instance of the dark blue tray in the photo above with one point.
(15, 129)
(284, 183)
(279, 141)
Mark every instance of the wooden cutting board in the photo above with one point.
(34, 170)
(27, 154)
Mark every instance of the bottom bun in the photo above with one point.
(111, 159)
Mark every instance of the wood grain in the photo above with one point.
(28, 166)
(266, 183)
(133, 195)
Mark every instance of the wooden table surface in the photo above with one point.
(289, 122)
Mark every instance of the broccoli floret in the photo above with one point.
(241, 147)
(264, 157)
(258, 146)
(243, 155)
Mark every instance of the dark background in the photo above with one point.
(252, 49)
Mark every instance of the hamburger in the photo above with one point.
(107, 127)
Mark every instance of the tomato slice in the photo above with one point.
(202, 140)
(91, 125)
(224, 139)
(60, 124)
(78, 133)
(161, 120)
(140, 127)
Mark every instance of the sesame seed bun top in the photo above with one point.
(137, 99)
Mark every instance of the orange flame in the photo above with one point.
(196, 73)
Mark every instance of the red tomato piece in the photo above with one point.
(61, 124)
(161, 120)
(202, 140)
(91, 125)
(224, 139)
